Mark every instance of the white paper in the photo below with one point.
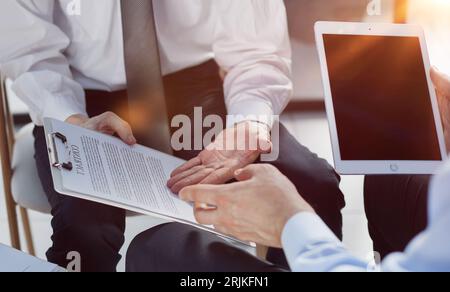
(106, 168)
(107, 171)
(14, 261)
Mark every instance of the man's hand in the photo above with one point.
(442, 84)
(254, 209)
(233, 149)
(107, 123)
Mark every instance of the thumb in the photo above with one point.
(121, 128)
(246, 173)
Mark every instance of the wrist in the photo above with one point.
(262, 129)
(292, 211)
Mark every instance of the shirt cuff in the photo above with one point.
(250, 110)
(61, 109)
(304, 230)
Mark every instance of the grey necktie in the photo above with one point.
(148, 112)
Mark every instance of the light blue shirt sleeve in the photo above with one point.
(310, 246)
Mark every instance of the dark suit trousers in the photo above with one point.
(396, 208)
(175, 247)
(96, 231)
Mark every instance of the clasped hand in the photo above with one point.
(233, 149)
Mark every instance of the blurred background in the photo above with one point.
(305, 116)
(432, 15)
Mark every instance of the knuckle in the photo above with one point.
(110, 115)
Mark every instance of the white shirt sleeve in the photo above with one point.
(32, 55)
(252, 46)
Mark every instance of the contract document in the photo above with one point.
(101, 168)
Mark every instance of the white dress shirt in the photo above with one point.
(52, 56)
(311, 246)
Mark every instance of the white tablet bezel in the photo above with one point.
(376, 167)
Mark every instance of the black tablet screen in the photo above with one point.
(381, 98)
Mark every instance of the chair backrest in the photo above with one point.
(6, 139)
(6, 146)
(6, 134)
(6, 124)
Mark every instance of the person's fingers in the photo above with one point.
(204, 206)
(219, 176)
(191, 180)
(441, 82)
(174, 179)
(119, 126)
(207, 217)
(265, 146)
(206, 194)
(188, 165)
(248, 172)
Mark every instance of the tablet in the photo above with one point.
(381, 103)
